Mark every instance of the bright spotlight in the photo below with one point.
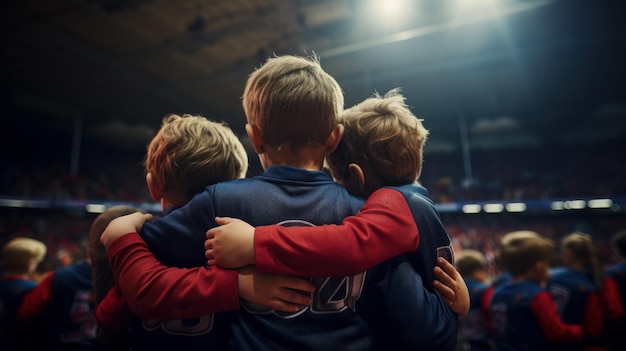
(516, 207)
(493, 208)
(95, 208)
(600, 203)
(471, 208)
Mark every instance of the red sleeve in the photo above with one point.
(486, 299)
(594, 315)
(553, 327)
(113, 313)
(36, 302)
(153, 290)
(612, 301)
(384, 228)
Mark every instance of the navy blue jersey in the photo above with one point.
(73, 320)
(515, 325)
(12, 290)
(293, 196)
(474, 326)
(570, 290)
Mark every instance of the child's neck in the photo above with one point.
(305, 157)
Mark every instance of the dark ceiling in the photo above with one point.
(516, 73)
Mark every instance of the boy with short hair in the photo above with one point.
(524, 315)
(292, 107)
(476, 327)
(187, 154)
(20, 258)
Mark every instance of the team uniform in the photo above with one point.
(476, 326)
(341, 305)
(65, 298)
(615, 302)
(12, 290)
(578, 302)
(526, 318)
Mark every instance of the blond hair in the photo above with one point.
(584, 251)
(521, 250)
(292, 101)
(469, 261)
(382, 134)
(191, 152)
(21, 255)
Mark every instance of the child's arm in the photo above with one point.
(153, 290)
(613, 302)
(36, 302)
(545, 310)
(384, 228)
(112, 313)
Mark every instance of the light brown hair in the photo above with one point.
(584, 251)
(292, 101)
(382, 134)
(469, 261)
(191, 152)
(521, 250)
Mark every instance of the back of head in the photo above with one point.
(102, 275)
(22, 255)
(382, 134)
(292, 101)
(190, 153)
(521, 250)
(469, 261)
(580, 252)
(618, 240)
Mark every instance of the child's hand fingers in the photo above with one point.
(445, 291)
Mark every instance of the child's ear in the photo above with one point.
(255, 138)
(155, 191)
(357, 177)
(334, 138)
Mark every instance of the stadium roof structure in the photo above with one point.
(498, 73)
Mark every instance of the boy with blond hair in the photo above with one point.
(524, 314)
(292, 107)
(19, 260)
(187, 154)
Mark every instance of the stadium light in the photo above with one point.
(471, 208)
(600, 203)
(95, 208)
(516, 207)
(493, 208)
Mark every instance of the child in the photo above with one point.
(524, 315)
(20, 258)
(615, 293)
(112, 335)
(292, 107)
(476, 327)
(576, 289)
(187, 154)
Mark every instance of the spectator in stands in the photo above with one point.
(576, 289)
(615, 293)
(63, 301)
(20, 258)
(102, 276)
(476, 327)
(524, 315)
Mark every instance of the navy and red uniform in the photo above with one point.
(476, 326)
(12, 291)
(526, 318)
(290, 196)
(578, 302)
(615, 302)
(65, 297)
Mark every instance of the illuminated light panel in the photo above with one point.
(557, 205)
(516, 207)
(95, 208)
(493, 208)
(575, 204)
(600, 203)
(471, 208)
